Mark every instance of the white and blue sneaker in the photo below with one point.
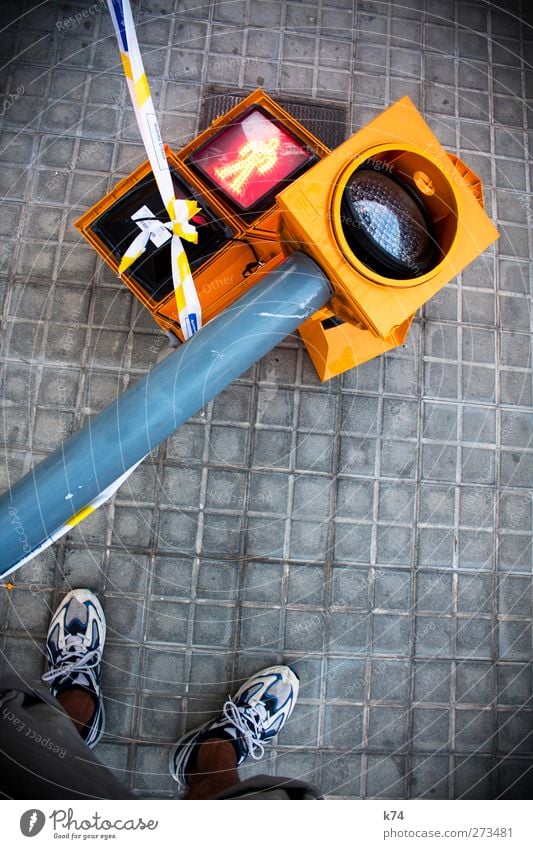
(254, 715)
(74, 647)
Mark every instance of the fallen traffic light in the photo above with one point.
(389, 216)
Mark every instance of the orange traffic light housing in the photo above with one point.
(400, 143)
(239, 243)
(267, 187)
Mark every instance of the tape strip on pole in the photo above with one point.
(179, 211)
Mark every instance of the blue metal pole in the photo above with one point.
(133, 425)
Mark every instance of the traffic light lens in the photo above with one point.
(386, 225)
(250, 160)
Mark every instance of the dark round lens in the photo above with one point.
(386, 225)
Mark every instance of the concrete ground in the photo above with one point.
(373, 531)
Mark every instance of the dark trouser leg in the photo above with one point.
(42, 755)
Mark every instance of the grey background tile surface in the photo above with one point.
(373, 531)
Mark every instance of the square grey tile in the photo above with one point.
(341, 775)
(433, 636)
(355, 498)
(315, 453)
(392, 590)
(435, 547)
(394, 544)
(431, 729)
(218, 580)
(317, 412)
(345, 679)
(172, 576)
(474, 638)
(306, 585)
(343, 726)
(396, 501)
(474, 731)
(309, 540)
(168, 622)
(440, 422)
(390, 680)
(391, 634)
(260, 628)
(163, 670)
(475, 683)
(514, 639)
(349, 632)
(514, 683)
(398, 459)
(436, 503)
(514, 732)
(430, 777)
(213, 625)
(476, 507)
(474, 593)
(352, 542)
(263, 582)
(304, 631)
(272, 449)
(159, 718)
(472, 777)
(312, 496)
(222, 535)
(434, 592)
(350, 588)
(387, 728)
(385, 777)
(514, 597)
(432, 681)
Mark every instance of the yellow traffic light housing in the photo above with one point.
(398, 142)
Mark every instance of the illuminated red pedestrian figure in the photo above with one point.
(254, 157)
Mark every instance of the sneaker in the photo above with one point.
(74, 647)
(254, 715)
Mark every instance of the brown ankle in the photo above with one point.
(214, 770)
(79, 704)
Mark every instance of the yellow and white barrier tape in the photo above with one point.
(179, 211)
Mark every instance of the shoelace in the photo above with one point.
(75, 658)
(248, 720)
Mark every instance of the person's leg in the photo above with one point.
(214, 769)
(44, 740)
(205, 761)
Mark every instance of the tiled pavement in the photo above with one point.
(374, 531)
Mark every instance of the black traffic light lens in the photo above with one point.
(386, 225)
